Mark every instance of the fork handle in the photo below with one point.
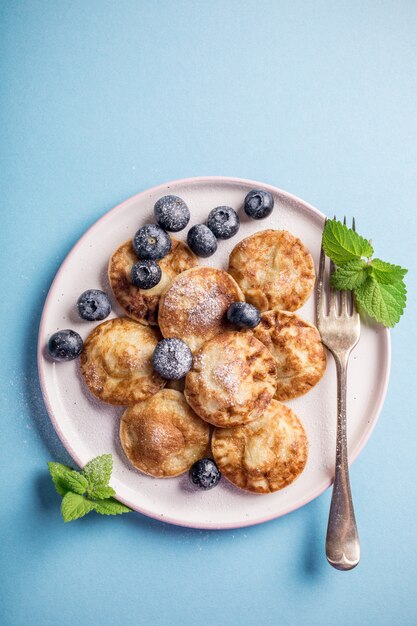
(342, 540)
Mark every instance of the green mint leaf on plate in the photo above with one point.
(66, 479)
(110, 507)
(350, 275)
(98, 471)
(101, 493)
(342, 244)
(385, 303)
(386, 273)
(74, 506)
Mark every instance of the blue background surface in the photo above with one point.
(100, 100)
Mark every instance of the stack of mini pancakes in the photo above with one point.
(230, 403)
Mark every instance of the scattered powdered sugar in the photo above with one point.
(209, 310)
(227, 376)
(205, 306)
(160, 437)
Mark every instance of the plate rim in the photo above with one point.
(42, 376)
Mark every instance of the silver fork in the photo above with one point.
(339, 329)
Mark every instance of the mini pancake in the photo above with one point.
(274, 270)
(116, 361)
(264, 456)
(142, 304)
(194, 306)
(232, 381)
(297, 349)
(162, 436)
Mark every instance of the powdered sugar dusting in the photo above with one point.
(172, 213)
(160, 437)
(227, 376)
(205, 306)
(208, 310)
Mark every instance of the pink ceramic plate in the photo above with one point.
(88, 428)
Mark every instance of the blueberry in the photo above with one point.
(172, 213)
(151, 242)
(223, 221)
(258, 204)
(65, 345)
(146, 274)
(93, 305)
(172, 359)
(201, 240)
(205, 474)
(243, 314)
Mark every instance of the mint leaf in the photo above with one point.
(74, 506)
(385, 303)
(98, 471)
(342, 244)
(56, 475)
(386, 273)
(110, 507)
(93, 479)
(101, 493)
(66, 479)
(350, 275)
(76, 482)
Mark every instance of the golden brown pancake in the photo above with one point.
(162, 436)
(297, 349)
(232, 381)
(265, 455)
(194, 306)
(142, 304)
(274, 270)
(116, 361)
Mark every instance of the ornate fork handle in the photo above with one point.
(342, 540)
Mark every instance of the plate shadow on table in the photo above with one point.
(312, 524)
(306, 526)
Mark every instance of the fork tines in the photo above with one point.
(339, 303)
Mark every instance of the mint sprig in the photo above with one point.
(386, 273)
(98, 471)
(342, 244)
(350, 275)
(110, 506)
(385, 303)
(74, 506)
(87, 490)
(378, 286)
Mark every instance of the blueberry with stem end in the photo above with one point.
(145, 274)
(151, 242)
(258, 204)
(223, 221)
(94, 305)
